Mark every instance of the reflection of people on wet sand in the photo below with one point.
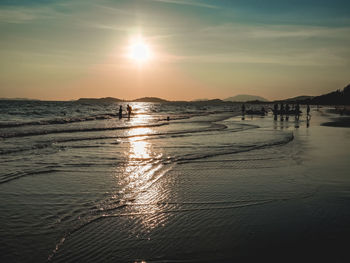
(243, 111)
(120, 112)
(297, 111)
(308, 118)
(129, 109)
(296, 122)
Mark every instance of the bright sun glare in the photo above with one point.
(139, 51)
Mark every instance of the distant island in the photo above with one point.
(338, 97)
(245, 98)
(299, 98)
(107, 99)
(150, 99)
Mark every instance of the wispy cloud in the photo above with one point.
(20, 15)
(283, 45)
(275, 31)
(188, 3)
(316, 58)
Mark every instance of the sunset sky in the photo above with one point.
(67, 49)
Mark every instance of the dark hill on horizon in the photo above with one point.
(103, 100)
(150, 99)
(299, 98)
(245, 98)
(338, 97)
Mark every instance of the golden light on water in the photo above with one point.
(139, 149)
(144, 177)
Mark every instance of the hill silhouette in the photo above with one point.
(299, 98)
(338, 97)
(103, 100)
(245, 98)
(150, 99)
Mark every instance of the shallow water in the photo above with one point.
(79, 185)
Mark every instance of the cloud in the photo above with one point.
(269, 44)
(20, 15)
(14, 14)
(188, 3)
(275, 31)
(315, 58)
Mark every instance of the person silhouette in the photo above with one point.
(120, 112)
(308, 109)
(129, 109)
(281, 109)
(287, 108)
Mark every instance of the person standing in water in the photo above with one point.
(308, 110)
(120, 112)
(129, 109)
(275, 111)
(282, 109)
(287, 108)
(243, 111)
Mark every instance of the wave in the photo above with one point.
(216, 127)
(104, 116)
(28, 148)
(189, 158)
(46, 132)
(5, 178)
(57, 121)
(231, 150)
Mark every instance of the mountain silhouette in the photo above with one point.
(245, 98)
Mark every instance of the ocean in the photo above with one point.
(175, 182)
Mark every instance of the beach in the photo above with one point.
(80, 185)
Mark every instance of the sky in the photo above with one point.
(68, 49)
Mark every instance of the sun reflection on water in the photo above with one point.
(139, 149)
(145, 188)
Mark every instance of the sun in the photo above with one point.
(139, 51)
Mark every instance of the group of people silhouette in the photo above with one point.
(128, 109)
(282, 110)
